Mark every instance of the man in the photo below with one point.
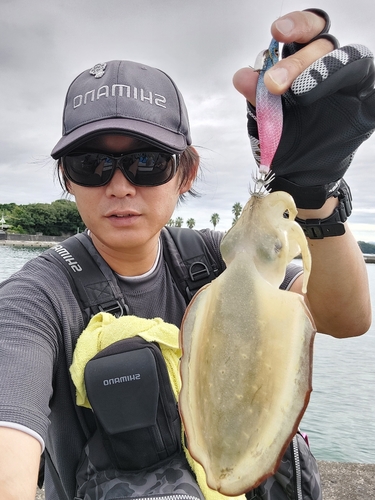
(125, 215)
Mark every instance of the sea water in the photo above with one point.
(340, 419)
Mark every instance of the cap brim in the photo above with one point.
(153, 134)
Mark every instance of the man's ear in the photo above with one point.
(69, 187)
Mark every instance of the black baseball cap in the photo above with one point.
(124, 97)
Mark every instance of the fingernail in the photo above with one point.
(279, 76)
(285, 25)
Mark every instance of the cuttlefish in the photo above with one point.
(247, 351)
(246, 367)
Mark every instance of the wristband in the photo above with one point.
(334, 224)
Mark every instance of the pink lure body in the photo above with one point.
(269, 113)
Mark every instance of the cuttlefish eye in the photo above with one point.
(278, 246)
(269, 250)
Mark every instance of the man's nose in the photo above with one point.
(119, 185)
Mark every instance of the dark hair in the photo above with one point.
(186, 169)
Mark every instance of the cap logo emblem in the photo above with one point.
(98, 70)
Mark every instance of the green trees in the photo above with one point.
(68, 219)
(7, 208)
(58, 218)
(215, 219)
(190, 223)
(236, 211)
(178, 221)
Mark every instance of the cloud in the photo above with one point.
(45, 44)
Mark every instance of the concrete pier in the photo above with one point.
(369, 258)
(28, 240)
(347, 481)
(28, 244)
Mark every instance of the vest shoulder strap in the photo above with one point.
(93, 282)
(95, 286)
(189, 259)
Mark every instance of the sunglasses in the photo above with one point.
(149, 168)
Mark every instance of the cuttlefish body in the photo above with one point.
(247, 351)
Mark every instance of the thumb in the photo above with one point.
(245, 82)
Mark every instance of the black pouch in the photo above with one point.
(297, 477)
(136, 451)
(130, 393)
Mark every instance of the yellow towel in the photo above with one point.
(102, 331)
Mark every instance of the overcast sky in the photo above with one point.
(45, 44)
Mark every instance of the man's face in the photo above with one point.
(122, 216)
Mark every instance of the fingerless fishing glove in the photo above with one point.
(328, 112)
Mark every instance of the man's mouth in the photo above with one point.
(125, 216)
(122, 215)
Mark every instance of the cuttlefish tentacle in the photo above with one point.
(247, 351)
(282, 206)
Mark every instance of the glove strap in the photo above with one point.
(311, 197)
(334, 224)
